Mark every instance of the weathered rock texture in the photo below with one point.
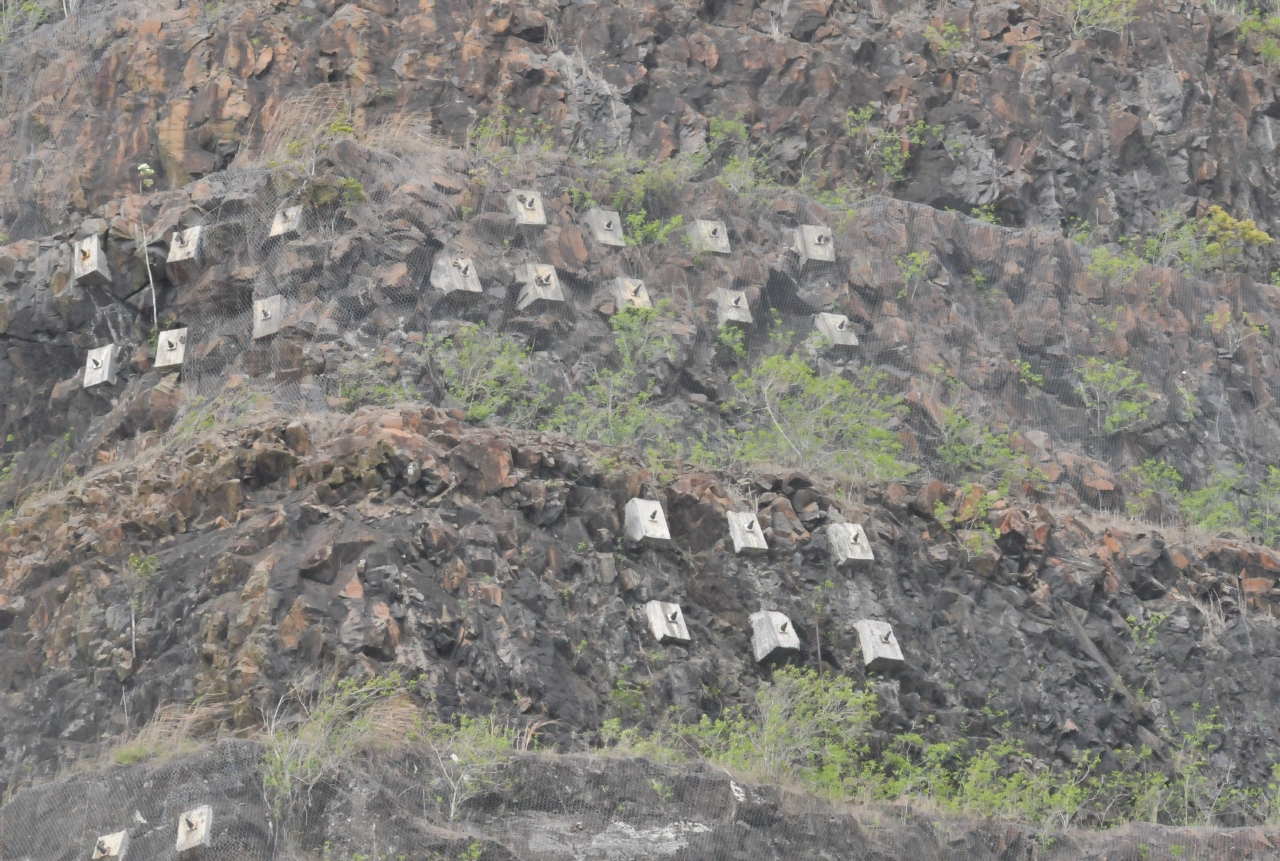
(548, 808)
(486, 562)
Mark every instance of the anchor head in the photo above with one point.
(840, 326)
(97, 363)
(102, 847)
(737, 300)
(751, 525)
(84, 253)
(608, 225)
(886, 636)
(653, 515)
(170, 344)
(822, 239)
(191, 824)
(542, 280)
(715, 231)
(675, 614)
(783, 627)
(633, 290)
(266, 314)
(527, 200)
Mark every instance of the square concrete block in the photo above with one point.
(880, 649)
(629, 292)
(731, 307)
(645, 520)
(195, 829)
(667, 622)
(287, 222)
(849, 543)
(89, 261)
(185, 244)
(837, 329)
(101, 366)
(606, 227)
(744, 528)
(709, 236)
(268, 314)
(815, 242)
(455, 275)
(772, 635)
(111, 847)
(525, 206)
(171, 348)
(539, 283)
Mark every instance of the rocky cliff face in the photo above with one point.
(289, 533)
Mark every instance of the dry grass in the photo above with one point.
(174, 730)
(304, 125)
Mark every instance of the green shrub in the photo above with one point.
(489, 375)
(469, 758)
(342, 721)
(1262, 34)
(1213, 507)
(805, 729)
(1155, 487)
(914, 268)
(883, 150)
(1086, 17)
(616, 406)
(1114, 395)
(1264, 514)
(973, 452)
(843, 426)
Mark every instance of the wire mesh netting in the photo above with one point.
(537, 806)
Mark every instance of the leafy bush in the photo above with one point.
(1227, 237)
(635, 189)
(883, 149)
(1194, 246)
(1262, 34)
(813, 731)
(336, 725)
(1114, 395)
(843, 426)
(1086, 17)
(469, 759)
(973, 452)
(914, 268)
(1213, 507)
(806, 729)
(616, 407)
(489, 375)
(1264, 515)
(1155, 487)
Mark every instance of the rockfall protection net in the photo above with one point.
(992, 322)
(534, 807)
